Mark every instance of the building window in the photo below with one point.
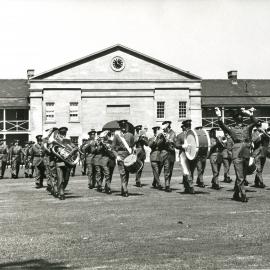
(118, 109)
(75, 140)
(160, 109)
(182, 109)
(73, 111)
(50, 114)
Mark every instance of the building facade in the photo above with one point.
(115, 83)
(14, 110)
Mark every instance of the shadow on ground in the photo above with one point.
(33, 264)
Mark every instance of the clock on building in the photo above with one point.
(117, 63)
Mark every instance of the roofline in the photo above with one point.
(113, 48)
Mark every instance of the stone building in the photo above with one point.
(112, 84)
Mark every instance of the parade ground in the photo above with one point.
(150, 229)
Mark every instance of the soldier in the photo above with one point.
(37, 153)
(200, 162)
(227, 157)
(181, 145)
(82, 156)
(167, 153)
(90, 149)
(28, 165)
(154, 144)
(241, 136)
(3, 157)
(15, 158)
(62, 169)
(96, 161)
(260, 140)
(106, 162)
(215, 157)
(122, 144)
(140, 141)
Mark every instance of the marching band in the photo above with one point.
(54, 156)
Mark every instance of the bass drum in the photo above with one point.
(198, 143)
(133, 164)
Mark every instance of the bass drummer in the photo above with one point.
(122, 145)
(181, 145)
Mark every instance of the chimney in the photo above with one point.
(232, 76)
(30, 74)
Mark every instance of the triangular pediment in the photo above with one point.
(116, 63)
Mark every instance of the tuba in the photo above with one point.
(64, 149)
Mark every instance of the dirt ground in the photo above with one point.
(150, 229)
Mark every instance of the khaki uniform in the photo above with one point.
(37, 159)
(241, 136)
(167, 156)
(3, 159)
(15, 157)
(227, 159)
(28, 165)
(90, 149)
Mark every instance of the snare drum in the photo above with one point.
(198, 143)
(133, 164)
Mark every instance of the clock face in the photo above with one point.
(117, 63)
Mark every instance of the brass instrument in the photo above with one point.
(63, 148)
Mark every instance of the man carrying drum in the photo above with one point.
(181, 145)
(241, 136)
(122, 144)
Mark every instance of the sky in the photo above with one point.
(206, 37)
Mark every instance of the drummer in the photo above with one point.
(122, 145)
(181, 145)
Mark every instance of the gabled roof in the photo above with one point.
(245, 92)
(14, 93)
(110, 50)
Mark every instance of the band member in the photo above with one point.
(122, 145)
(200, 165)
(3, 157)
(167, 153)
(154, 143)
(90, 149)
(15, 158)
(227, 157)
(106, 162)
(96, 161)
(140, 141)
(83, 157)
(260, 140)
(62, 169)
(241, 136)
(28, 165)
(215, 157)
(37, 153)
(181, 145)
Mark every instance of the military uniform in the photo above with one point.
(154, 143)
(122, 152)
(140, 141)
(3, 158)
(227, 158)
(15, 158)
(215, 157)
(241, 136)
(28, 165)
(90, 150)
(106, 166)
(261, 146)
(83, 157)
(167, 156)
(37, 159)
(185, 163)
